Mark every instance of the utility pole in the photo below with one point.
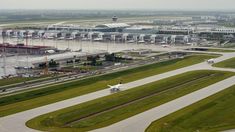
(4, 61)
(4, 55)
(27, 56)
(46, 66)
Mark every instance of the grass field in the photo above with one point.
(9, 81)
(213, 114)
(13, 104)
(110, 109)
(229, 45)
(15, 80)
(213, 50)
(220, 50)
(230, 63)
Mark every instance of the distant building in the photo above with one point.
(197, 18)
(23, 49)
(115, 18)
(140, 30)
(112, 27)
(63, 58)
(218, 34)
(181, 39)
(162, 38)
(176, 30)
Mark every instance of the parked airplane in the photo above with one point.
(166, 46)
(163, 42)
(85, 39)
(61, 38)
(141, 41)
(152, 42)
(131, 41)
(50, 51)
(70, 38)
(80, 50)
(49, 37)
(98, 39)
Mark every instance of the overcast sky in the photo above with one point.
(120, 4)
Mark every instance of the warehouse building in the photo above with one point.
(62, 58)
(24, 49)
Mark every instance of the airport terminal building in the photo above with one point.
(123, 32)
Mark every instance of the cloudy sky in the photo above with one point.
(120, 4)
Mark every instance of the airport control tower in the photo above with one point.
(114, 18)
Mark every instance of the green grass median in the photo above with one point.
(15, 80)
(13, 104)
(230, 63)
(213, 114)
(221, 50)
(113, 108)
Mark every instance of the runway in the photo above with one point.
(140, 122)
(136, 123)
